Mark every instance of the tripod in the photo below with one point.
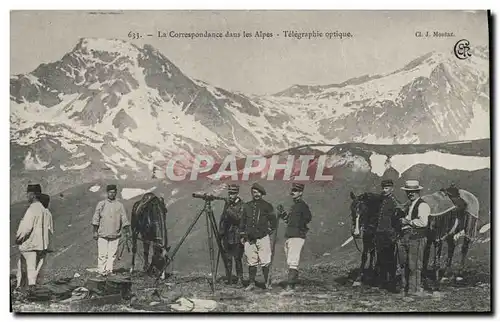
(211, 231)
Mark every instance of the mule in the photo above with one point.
(450, 216)
(149, 221)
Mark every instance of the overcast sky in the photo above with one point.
(381, 42)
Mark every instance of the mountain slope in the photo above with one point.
(110, 109)
(329, 202)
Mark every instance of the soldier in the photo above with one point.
(414, 230)
(297, 219)
(109, 221)
(386, 235)
(229, 232)
(33, 237)
(257, 223)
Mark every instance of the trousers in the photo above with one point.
(410, 249)
(29, 266)
(107, 249)
(258, 252)
(387, 257)
(293, 248)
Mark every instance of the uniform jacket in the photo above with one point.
(230, 221)
(258, 219)
(388, 217)
(35, 228)
(110, 217)
(297, 219)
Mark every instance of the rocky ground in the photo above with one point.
(322, 288)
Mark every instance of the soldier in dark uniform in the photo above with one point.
(229, 230)
(388, 229)
(257, 223)
(297, 219)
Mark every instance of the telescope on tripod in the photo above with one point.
(212, 230)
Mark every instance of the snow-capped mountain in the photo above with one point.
(110, 105)
(434, 98)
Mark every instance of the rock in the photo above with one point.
(408, 299)
(366, 303)
(87, 304)
(76, 275)
(437, 295)
(154, 303)
(193, 305)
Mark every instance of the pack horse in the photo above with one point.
(149, 221)
(453, 212)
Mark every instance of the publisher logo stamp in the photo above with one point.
(462, 49)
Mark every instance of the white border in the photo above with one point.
(188, 4)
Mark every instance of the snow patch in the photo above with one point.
(479, 127)
(81, 154)
(354, 162)
(34, 163)
(129, 193)
(378, 162)
(403, 162)
(95, 188)
(75, 167)
(120, 46)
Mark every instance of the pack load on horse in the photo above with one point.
(453, 211)
(149, 221)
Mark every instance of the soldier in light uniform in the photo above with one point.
(33, 236)
(297, 218)
(229, 231)
(109, 222)
(258, 222)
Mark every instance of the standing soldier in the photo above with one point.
(387, 232)
(258, 222)
(229, 231)
(33, 237)
(414, 230)
(297, 219)
(109, 221)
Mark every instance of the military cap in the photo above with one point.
(259, 188)
(36, 188)
(298, 186)
(387, 183)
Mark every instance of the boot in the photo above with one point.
(230, 271)
(239, 271)
(252, 272)
(294, 277)
(290, 281)
(267, 282)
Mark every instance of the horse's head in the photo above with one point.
(358, 209)
(363, 209)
